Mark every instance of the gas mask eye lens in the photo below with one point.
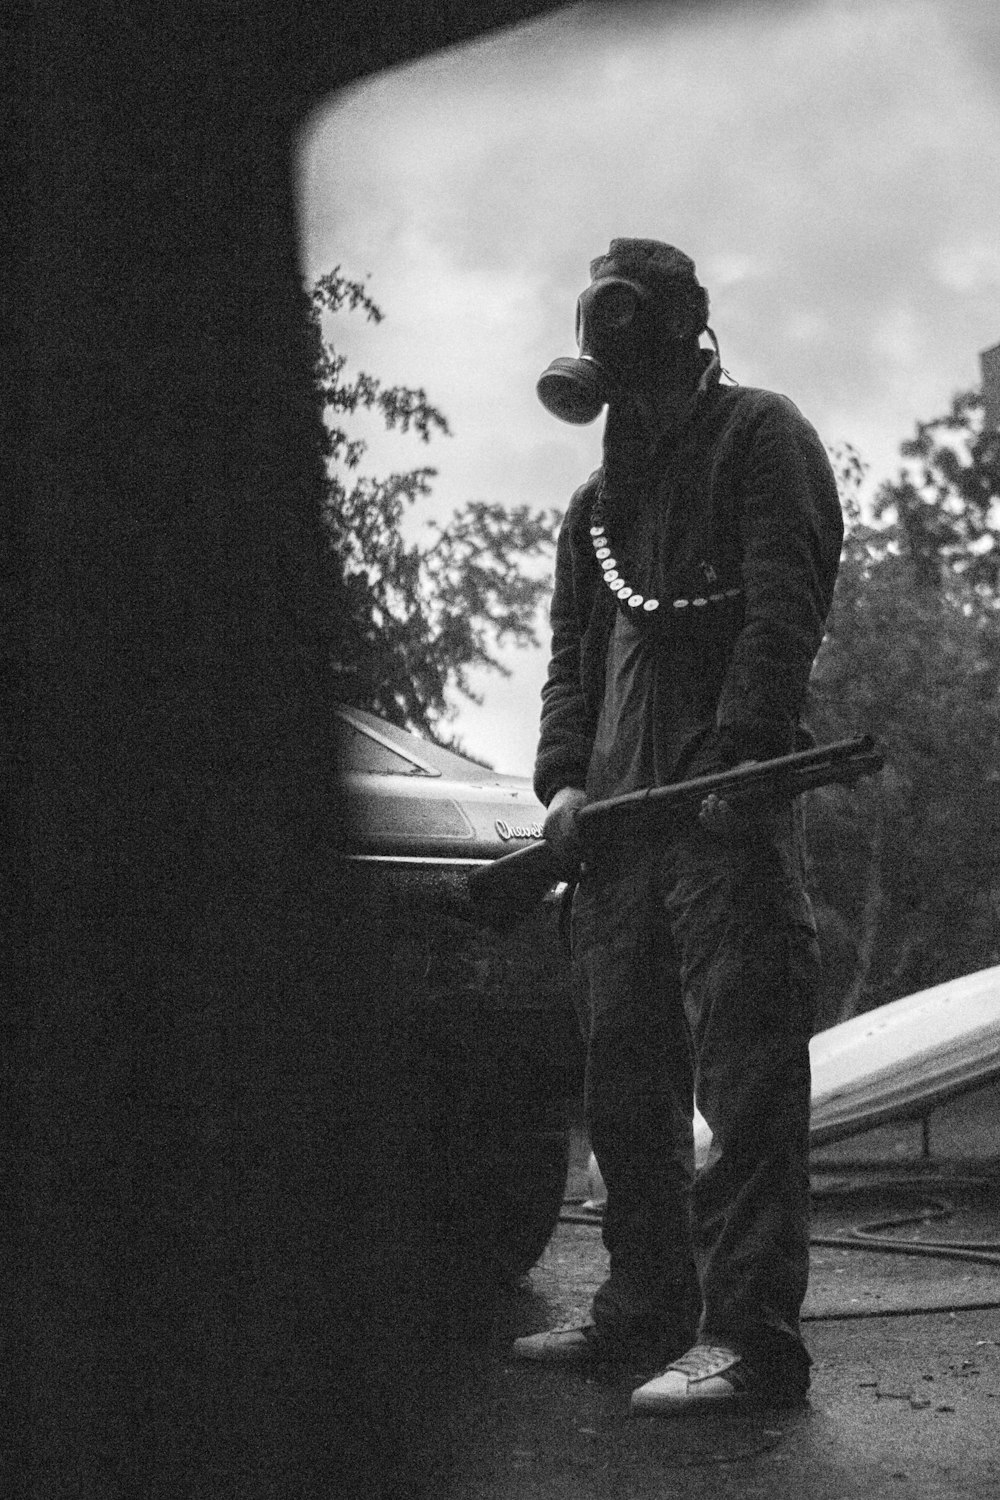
(616, 306)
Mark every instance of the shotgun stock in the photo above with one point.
(507, 890)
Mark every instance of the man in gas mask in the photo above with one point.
(694, 573)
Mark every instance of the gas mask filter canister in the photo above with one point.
(614, 331)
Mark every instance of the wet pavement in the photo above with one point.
(905, 1399)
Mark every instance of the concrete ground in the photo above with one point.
(905, 1400)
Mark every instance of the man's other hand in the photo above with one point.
(715, 813)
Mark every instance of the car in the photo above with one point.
(498, 1043)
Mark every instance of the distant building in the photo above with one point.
(989, 363)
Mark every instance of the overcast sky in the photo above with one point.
(832, 167)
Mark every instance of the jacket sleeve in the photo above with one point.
(791, 534)
(567, 730)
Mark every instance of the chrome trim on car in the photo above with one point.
(436, 862)
(419, 861)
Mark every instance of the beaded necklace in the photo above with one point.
(619, 585)
(609, 565)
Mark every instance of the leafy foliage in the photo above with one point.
(419, 617)
(906, 864)
(945, 503)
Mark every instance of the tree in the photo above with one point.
(418, 617)
(913, 656)
(945, 503)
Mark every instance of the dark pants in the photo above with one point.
(697, 968)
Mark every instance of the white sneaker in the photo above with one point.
(572, 1343)
(711, 1376)
(706, 1376)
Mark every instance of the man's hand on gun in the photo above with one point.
(561, 831)
(715, 814)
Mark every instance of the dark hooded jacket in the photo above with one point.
(737, 532)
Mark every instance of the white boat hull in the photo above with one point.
(893, 1063)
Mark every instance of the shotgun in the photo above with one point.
(509, 888)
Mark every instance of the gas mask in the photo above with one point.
(630, 344)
